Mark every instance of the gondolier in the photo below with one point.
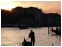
(32, 36)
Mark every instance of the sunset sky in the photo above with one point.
(46, 6)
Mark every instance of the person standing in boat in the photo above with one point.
(32, 36)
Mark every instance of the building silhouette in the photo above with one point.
(30, 17)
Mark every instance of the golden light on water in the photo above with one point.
(15, 36)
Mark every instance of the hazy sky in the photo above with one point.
(46, 6)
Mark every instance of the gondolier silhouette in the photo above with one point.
(32, 36)
(27, 43)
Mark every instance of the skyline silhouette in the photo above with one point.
(29, 17)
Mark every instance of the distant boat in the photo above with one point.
(23, 26)
(58, 32)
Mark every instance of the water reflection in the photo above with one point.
(12, 37)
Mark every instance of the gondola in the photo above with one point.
(58, 32)
(23, 26)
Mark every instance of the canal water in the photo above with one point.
(15, 36)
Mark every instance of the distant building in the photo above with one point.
(31, 15)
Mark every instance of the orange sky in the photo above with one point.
(46, 6)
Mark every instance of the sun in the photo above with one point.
(7, 5)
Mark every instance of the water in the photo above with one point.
(15, 36)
